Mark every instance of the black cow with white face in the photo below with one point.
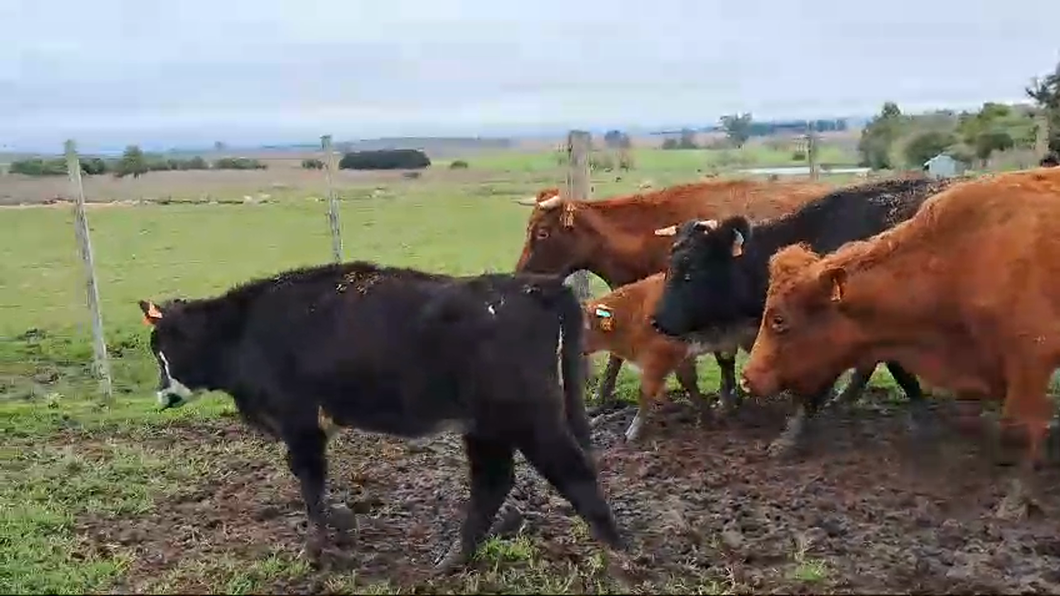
(402, 352)
(718, 272)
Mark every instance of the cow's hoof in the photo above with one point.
(451, 561)
(635, 429)
(342, 518)
(783, 446)
(1018, 504)
(921, 423)
(313, 551)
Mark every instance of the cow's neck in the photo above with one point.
(769, 237)
(899, 316)
(626, 254)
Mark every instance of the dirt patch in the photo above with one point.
(867, 508)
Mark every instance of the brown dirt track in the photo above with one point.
(865, 509)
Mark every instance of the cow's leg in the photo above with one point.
(920, 415)
(652, 382)
(730, 392)
(605, 391)
(1026, 403)
(555, 454)
(492, 471)
(798, 425)
(859, 379)
(306, 459)
(689, 381)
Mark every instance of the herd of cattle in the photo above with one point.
(954, 281)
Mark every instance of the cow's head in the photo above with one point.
(707, 281)
(178, 342)
(555, 242)
(808, 334)
(599, 325)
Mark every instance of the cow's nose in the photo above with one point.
(655, 325)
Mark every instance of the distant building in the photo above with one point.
(943, 166)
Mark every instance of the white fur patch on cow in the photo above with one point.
(174, 393)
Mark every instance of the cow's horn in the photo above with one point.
(667, 231)
(528, 201)
(550, 202)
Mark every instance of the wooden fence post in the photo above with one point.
(100, 361)
(811, 151)
(333, 203)
(1041, 140)
(578, 147)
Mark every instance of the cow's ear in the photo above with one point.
(152, 314)
(834, 280)
(737, 231)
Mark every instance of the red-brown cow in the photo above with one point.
(615, 238)
(965, 294)
(619, 322)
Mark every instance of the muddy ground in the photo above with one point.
(864, 509)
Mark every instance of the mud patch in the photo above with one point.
(867, 508)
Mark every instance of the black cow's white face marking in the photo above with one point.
(171, 392)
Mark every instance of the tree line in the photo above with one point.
(893, 139)
(133, 162)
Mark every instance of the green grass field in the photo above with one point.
(66, 459)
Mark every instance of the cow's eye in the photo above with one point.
(778, 324)
(541, 233)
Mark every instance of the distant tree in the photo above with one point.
(133, 162)
(926, 145)
(1045, 91)
(312, 164)
(93, 166)
(992, 128)
(878, 137)
(388, 159)
(670, 144)
(219, 146)
(688, 139)
(737, 127)
(39, 167)
(987, 142)
(458, 164)
(616, 139)
(238, 163)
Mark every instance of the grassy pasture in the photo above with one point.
(65, 460)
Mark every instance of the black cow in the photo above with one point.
(401, 352)
(718, 273)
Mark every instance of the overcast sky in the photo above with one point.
(180, 71)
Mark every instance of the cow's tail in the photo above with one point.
(573, 364)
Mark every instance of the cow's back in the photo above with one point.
(986, 252)
(396, 352)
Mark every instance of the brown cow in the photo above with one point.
(965, 294)
(615, 238)
(619, 322)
